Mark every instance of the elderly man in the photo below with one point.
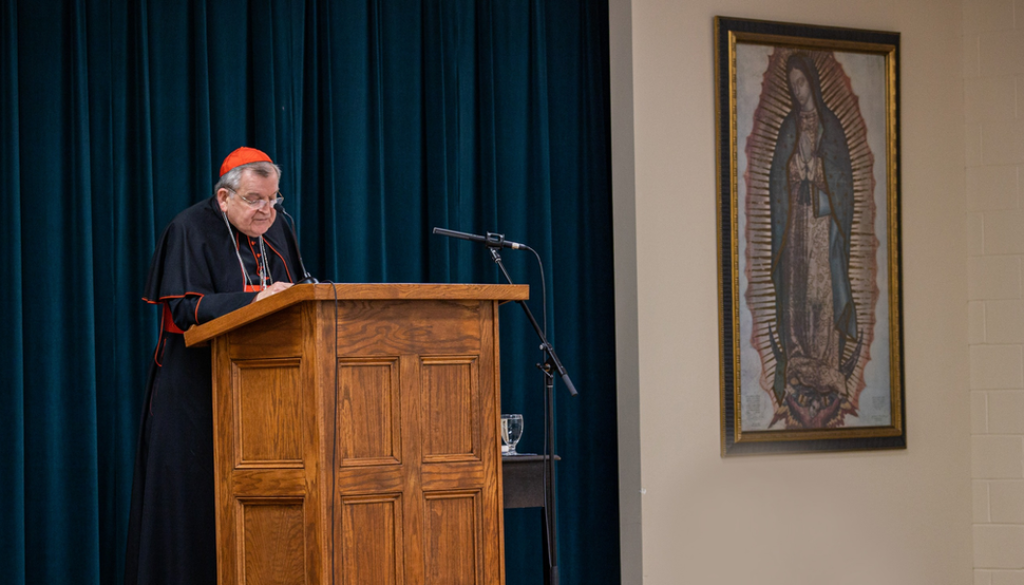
(216, 256)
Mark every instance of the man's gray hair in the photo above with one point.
(233, 178)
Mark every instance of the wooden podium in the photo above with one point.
(356, 442)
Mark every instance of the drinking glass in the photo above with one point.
(511, 432)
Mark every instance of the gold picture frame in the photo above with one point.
(810, 302)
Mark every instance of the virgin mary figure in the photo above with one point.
(812, 207)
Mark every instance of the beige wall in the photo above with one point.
(859, 518)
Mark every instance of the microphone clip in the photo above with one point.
(494, 240)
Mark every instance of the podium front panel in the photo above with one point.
(416, 484)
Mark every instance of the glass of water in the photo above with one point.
(511, 432)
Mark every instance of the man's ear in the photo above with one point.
(222, 199)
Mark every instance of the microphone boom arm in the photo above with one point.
(545, 346)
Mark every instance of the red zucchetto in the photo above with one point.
(243, 156)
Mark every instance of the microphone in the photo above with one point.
(307, 278)
(491, 240)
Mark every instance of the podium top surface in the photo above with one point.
(202, 334)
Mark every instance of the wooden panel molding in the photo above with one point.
(369, 419)
(371, 551)
(451, 425)
(274, 551)
(452, 552)
(268, 404)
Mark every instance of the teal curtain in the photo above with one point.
(389, 117)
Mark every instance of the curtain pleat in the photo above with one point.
(13, 555)
(389, 118)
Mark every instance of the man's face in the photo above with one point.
(251, 222)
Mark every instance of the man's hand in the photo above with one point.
(272, 290)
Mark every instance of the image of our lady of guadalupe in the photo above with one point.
(815, 254)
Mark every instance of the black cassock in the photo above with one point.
(196, 276)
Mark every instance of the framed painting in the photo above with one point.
(809, 238)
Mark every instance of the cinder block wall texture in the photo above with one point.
(993, 70)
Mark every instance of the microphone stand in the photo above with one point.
(551, 365)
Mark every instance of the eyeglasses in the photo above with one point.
(258, 204)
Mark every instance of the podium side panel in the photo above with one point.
(493, 529)
(277, 335)
(266, 437)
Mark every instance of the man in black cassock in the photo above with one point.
(216, 256)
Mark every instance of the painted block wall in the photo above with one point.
(993, 70)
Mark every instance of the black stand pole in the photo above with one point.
(550, 501)
(549, 367)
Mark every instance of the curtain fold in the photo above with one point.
(388, 117)
(12, 359)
